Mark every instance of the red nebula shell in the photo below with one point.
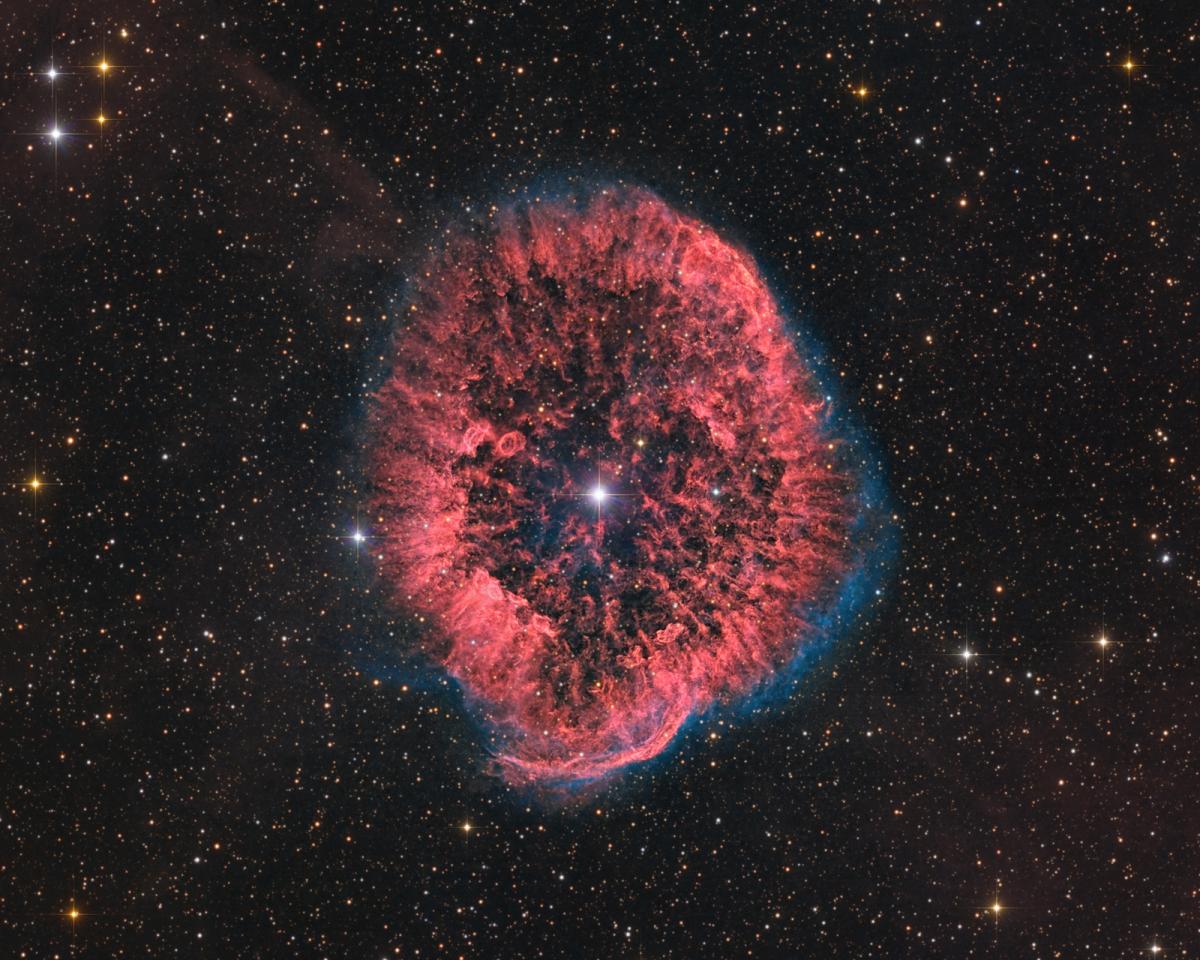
(609, 339)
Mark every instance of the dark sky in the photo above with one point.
(986, 215)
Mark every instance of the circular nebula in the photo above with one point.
(603, 478)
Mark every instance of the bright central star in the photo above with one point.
(598, 494)
(359, 536)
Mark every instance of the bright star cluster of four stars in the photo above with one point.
(56, 132)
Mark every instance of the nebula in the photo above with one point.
(604, 481)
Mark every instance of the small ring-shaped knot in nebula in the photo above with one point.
(604, 478)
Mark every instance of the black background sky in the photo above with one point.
(987, 221)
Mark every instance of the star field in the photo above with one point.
(984, 215)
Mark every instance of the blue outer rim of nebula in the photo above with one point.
(873, 535)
